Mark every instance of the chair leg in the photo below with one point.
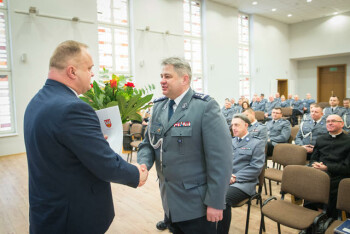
(279, 228)
(261, 224)
(270, 187)
(247, 221)
(263, 221)
(265, 187)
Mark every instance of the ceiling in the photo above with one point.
(301, 10)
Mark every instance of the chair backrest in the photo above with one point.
(289, 154)
(343, 200)
(136, 130)
(261, 177)
(306, 182)
(259, 115)
(126, 128)
(286, 111)
(294, 132)
(323, 104)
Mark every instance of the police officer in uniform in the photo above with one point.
(255, 129)
(259, 106)
(334, 109)
(346, 114)
(278, 130)
(298, 109)
(190, 143)
(310, 129)
(307, 102)
(248, 161)
(227, 111)
(270, 105)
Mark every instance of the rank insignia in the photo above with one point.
(182, 124)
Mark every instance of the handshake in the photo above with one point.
(143, 173)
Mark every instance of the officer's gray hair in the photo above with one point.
(242, 117)
(181, 66)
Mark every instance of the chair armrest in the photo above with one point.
(319, 223)
(268, 200)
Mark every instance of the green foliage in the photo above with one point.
(119, 91)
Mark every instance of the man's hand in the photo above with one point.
(105, 136)
(233, 179)
(309, 148)
(320, 166)
(214, 215)
(143, 174)
(266, 115)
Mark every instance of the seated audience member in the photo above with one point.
(253, 103)
(233, 103)
(298, 109)
(255, 129)
(238, 108)
(227, 112)
(334, 109)
(248, 161)
(307, 102)
(290, 99)
(263, 99)
(284, 102)
(307, 116)
(260, 106)
(278, 130)
(310, 130)
(270, 105)
(278, 97)
(245, 105)
(346, 115)
(332, 155)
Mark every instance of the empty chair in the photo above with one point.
(293, 133)
(343, 203)
(260, 116)
(303, 182)
(285, 154)
(136, 138)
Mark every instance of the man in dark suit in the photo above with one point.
(70, 163)
(189, 142)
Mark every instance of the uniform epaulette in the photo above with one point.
(159, 99)
(202, 96)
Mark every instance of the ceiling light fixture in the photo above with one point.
(254, 3)
(335, 13)
(309, 0)
(274, 9)
(289, 15)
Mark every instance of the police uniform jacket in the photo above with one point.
(271, 105)
(195, 168)
(346, 118)
(260, 106)
(237, 109)
(263, 101)
(306, 116)
(228, 113)
(278, 132)
(308, 132)
(290, 101)
(258, 130)
(248, 161)
(285, 104)
(298, 105)
(338, 110)
(307, 103)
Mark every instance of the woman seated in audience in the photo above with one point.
(284, 103)
(245, 105)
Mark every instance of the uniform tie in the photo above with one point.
(239, 139)
(315, 123)
(171, 110)
(273, 122)
(332, 110)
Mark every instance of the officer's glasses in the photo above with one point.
(333, 121)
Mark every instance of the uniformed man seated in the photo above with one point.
(255, 129)
(270, 105)
(311, 129)
(334, 108)
(346, 115)
(278, 130)
(298, 109)
(259, 105)
(307, 116)
(248, 161)
(307, 102)
(228, 111)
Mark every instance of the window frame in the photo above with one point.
(241, 47)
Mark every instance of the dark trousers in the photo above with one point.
(194, 226)
(294, 118)
(269, 150)
(233, 197)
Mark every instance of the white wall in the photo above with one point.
(269, 54)
(221, 34)
(37, 37)
(307, 74)
(325, 36)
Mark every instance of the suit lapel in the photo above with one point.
(180, 110)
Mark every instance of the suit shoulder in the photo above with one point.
(160, 99)
(201, 96)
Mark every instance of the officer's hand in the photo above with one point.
(143, 174)
(214, 215)
(105, 136)
(233, 179)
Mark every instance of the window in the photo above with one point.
(7, 117)
(113, 36)
(193, 41)
(243, 55)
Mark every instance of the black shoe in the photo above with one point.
(161, 225)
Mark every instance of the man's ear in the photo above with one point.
(186, 79)
(70, 70)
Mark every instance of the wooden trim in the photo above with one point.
(318, 78)
(9, 155)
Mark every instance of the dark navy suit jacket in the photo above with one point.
(70, 165)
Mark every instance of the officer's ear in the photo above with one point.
(186, 79)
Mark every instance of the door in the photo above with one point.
(331, 81)
(282, 87)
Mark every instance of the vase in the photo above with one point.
(111, 125)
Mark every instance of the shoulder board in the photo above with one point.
(159, 99)
(201, 96)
